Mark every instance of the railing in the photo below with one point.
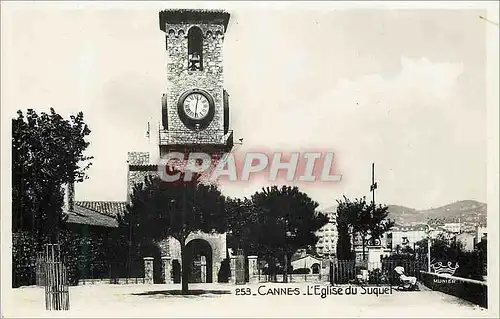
(376, 273)
(471, 290)
(112, 273)
(187, 137)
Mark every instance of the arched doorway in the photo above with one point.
(199, 261)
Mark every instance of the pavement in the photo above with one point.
(251, 300)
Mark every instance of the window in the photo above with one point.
(195, 49)
(405, 241)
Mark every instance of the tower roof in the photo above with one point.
(180, 16)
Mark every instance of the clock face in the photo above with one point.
(196, 106)
(196, 109)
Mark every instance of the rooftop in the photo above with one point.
(299, 257)
(86, 216)
(96, 213)
(180, 16)
(409, 228)
(108, 208)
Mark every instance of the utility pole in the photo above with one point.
(429, 251)
(148, 132)
(373, 186)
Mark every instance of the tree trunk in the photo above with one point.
(353, 243)
(285, 270)
(272, 270)
(184, 270)
(363, 246)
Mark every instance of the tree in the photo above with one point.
(350, 222)
(242, 225)
(47, 152)
(442, 249)
(344, 230)
(160, 209)
(357, 218)
(378, 222)
(482, 248)
(287, 221)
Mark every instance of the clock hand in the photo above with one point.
(196, 107)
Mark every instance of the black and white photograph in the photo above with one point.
(249, 159)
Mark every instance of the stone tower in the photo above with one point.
(195, 118)
(195, 108)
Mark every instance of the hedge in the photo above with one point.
(80, 252)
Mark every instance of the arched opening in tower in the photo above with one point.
(195, 49)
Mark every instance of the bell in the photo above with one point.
(195, 57)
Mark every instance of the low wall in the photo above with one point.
(114, 281)
(306, 278)
(471, 290)
(296, 278)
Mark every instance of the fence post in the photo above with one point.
(252, 269)
(166, 262)
(233, 269)
(110, 276)
(148, 270)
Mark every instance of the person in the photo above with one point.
(406, 279)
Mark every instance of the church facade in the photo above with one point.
(195, 118)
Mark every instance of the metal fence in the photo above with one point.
(377, 273)
(40, 269)
(111, 272)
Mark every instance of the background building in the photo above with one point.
(405, 236)
(327, 243)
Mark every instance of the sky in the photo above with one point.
(404, 89)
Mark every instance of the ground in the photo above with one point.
(220, 300)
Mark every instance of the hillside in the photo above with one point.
(468, 211)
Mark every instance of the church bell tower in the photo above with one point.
(195, 106)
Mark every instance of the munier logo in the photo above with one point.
(441, 269)
(305, 167)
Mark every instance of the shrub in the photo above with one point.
(302, 271)
(23, 259)
(80, 253)
(470, 265)
(224, 271)
(377, 276)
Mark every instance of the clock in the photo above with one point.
(196, 109)
(196, 106)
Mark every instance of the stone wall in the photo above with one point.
(140, 161)
(138, 158)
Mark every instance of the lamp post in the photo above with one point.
(289, 235)
(428, 247)
(331, 278)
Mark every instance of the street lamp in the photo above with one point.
(428, 247)
(289, 235)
